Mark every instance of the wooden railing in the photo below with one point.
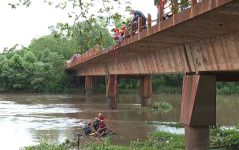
(97, 50)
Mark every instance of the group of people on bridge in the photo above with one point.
(121, 33)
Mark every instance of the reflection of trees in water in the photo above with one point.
(227, 110)
(226, 107)
(175, 101)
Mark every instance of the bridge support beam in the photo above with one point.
(88, 87)
(112, 92)
(198, 109)
(146, 90)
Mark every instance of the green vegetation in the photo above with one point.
(227, 88)
(157, 140)
(86, 15)
(45, 146)
(160, 140)
(41, 66)
(105, 145)
(220, 138)
(160, 107)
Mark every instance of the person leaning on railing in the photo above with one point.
(136, 14)
(119, 33)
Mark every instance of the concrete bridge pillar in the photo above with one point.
(112, 92)
(88, 87)
(146, 90)
(198, 110)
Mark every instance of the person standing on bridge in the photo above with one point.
(119, 33)
(136, 14)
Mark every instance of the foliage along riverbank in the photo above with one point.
(220, 138)
(40, 67)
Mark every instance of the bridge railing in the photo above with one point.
(166, 9)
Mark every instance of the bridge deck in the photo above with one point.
(203, 38)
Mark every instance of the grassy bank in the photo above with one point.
(155, 141)
(220, 138)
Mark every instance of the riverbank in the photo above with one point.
(220, 138)
(156, 140)
(221, 89)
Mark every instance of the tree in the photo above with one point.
(17, 73)
(3, 73)
(85, 37)
(60, 45)
(86, 11)
(41, 66)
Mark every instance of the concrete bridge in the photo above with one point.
(201, 42)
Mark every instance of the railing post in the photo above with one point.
(125, 33)
(149, 21)
(160, 7)
(139, 24)
(132, 29)
(193, 2)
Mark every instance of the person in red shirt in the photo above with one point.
(102, 126)
(119, 33)
(116, 35)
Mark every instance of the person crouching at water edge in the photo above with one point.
(97, 121)
(102, 130)
(99, 126)
(86, 127)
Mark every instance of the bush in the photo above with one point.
(222, 137)
(160, 106)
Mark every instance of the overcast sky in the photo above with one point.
(21, 25)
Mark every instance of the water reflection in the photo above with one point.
(28, 119)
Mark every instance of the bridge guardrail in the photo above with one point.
(166, 9)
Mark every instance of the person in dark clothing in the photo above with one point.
(86, 128)
(96, 123)
(136, 14)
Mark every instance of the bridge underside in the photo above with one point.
(213, 55)
(202, 39)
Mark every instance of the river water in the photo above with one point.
(28, 119)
